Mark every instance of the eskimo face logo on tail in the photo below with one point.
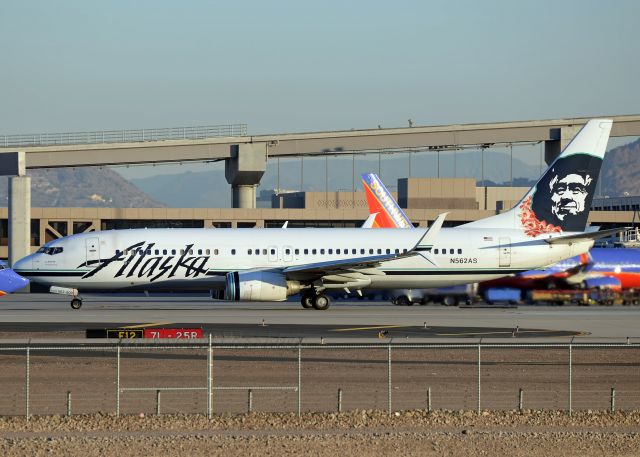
(141, 263)
(562, 198)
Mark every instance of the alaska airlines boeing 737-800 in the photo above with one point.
(271, 264)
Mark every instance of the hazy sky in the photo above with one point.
(285, 66)
(290, 66)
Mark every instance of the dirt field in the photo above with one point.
(361, 374)
(358, 433)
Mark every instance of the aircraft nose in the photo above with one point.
(22, 264)
(10, 281)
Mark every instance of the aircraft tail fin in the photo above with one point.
(561, 199)
(380, 201)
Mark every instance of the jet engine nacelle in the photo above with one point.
(258, 286)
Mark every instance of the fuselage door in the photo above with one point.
(93, 251)
(505, 251)
(273, 254)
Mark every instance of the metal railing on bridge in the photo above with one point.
(123, 136)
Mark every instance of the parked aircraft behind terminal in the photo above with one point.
(602, 268)
(271, 264)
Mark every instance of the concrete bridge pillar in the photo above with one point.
(244, 170)
(19, 218)
(560, 138)
(14, 164)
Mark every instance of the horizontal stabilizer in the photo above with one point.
(570, 239)
(370, 221)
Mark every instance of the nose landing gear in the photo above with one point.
(76, 303)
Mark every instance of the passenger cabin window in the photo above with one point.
(199, 251)
(452, 251)
(388, 251)
(397, 251)
(233, 252)
(321, 251)
(370, 251)
(330, 251)
(313, 251)
(264, 252)
(362, 251)
(249, 251)
(354, 251)
(173, 252)
(297, 251)
(273, 252)
(337, 251)
(287, 251)
(379, 251)
(435, 251)
(306, 251)
(459, 251)
(215, 252)
(164, 252)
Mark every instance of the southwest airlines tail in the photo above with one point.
(381, 202)
(561, 199)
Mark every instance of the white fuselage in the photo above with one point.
(153, 259)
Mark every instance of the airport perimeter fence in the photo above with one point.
(123, 136)
(203, 377)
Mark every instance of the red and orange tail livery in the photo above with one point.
(380, 201)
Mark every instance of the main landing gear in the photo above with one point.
(76, 302)
(311, 299)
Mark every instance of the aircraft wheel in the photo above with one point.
(403, 300)
(307, 301)
(76, 303)
(321, 302)
(450, 301)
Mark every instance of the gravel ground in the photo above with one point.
(412, 433)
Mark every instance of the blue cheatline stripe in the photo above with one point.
(436, 272)
(53, 273)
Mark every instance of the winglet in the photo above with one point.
(432, 232)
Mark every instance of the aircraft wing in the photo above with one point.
(319, 269)
(362, 265)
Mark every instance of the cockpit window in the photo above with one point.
(50, 251)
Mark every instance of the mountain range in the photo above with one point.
(81, 187)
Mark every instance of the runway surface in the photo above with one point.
(45, 313)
